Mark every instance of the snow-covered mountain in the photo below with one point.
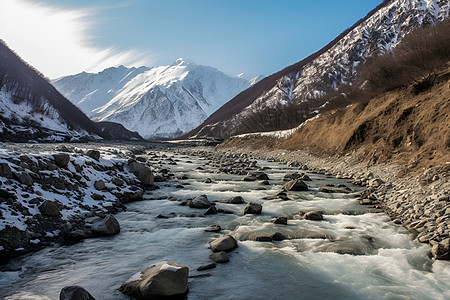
(289, 97)
(31, 109)
(164, 101)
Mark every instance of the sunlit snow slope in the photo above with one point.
(164, 101)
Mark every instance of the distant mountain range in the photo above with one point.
(164, 101)
(31, 109)
(297, 93)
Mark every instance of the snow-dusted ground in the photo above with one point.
(30, 175)
(163, 101)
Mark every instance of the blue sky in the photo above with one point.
(254, 36)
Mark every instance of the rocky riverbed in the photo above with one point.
(296, 220)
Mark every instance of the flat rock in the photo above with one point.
(207, 267)
(225, 243)
(158, 281)
(213, 228)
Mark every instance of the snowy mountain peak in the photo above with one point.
(184, 62)
(164, 101)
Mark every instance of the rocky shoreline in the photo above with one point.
(65, 193)
(420, 203)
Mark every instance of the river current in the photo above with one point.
(390, 265)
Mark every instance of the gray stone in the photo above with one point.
(158, 281)
(225, 243)
(95, 154)
(207, 267)
(313, 215)
(75, 293)
(61, 159)
(281, 220)
(100, 185)
(212, 210)
(108, 226)
(145, 176)
(117, 181)
(24, 177)
(213, 228)
(135, 166)
(200, 202)
(5, 170)
(49, 209)
(295, 185)
(253, 208)
(235, 200)
(219, 257)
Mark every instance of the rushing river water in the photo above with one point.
(392, 265)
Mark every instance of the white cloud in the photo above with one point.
(58, 41)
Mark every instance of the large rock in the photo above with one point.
(5, 170)
(158, 281)
(219, 257)
(295, 185)
(24, 178)
(313, 215)
(49, 209)
(281, 220)
(95, 154)
(253, 208)
(75, 292)
(135, 166)
(235, 200)
(200, 202)
(13, 238)
(61, 159)
(225, 243)
(100, 185)
(441, 250)
(212, 210)
(108, 226)
(145, 176)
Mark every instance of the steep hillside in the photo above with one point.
(401, 126)
(164, 101)
(32, 109)
(295, 94)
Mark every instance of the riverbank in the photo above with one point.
(420, 203)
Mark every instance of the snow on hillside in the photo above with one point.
(164, 101)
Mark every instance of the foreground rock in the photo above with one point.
(49, 209)
(314, 215)
(200, 202)
(253, 208)
(225, 243)
(108, 226)
(295, 185)
(75, 292)
(158, 281)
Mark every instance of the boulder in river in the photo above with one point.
(49, 209)
(212, 210)
(253, 208)
(235, 200)
(213, 228)
(313, 215)
(281, 220)
(159, 281)
(225, 243)
(220, 257)
(108, 226)
(200, 202)
(145, 176)
(207, 267)
(295, 185)
(441, 250)
(75, 292)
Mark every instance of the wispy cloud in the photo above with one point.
(59, 41)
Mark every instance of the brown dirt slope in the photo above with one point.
(403, 126)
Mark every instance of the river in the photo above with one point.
(390, 266)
